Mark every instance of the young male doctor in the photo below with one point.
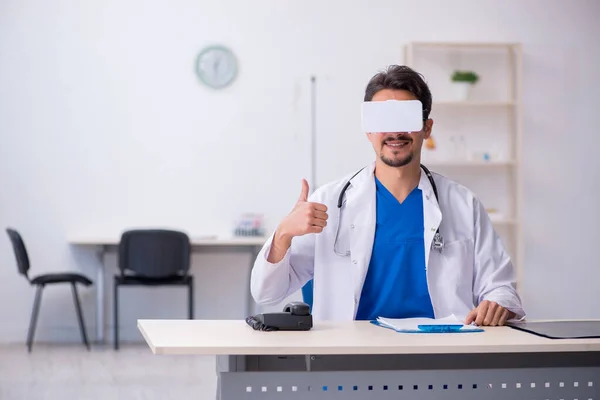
(379, 254)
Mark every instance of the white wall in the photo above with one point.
(104, 126)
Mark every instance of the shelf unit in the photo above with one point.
(489, 118)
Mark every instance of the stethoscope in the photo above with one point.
(438, 240)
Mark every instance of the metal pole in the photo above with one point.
(313, 141)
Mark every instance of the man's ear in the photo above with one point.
(428, 127)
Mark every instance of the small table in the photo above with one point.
(102, 245)
(358, 360)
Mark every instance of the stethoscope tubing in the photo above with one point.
(438, 241)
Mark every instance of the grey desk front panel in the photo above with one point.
(489, 384)
(416, 362)
(491, 376)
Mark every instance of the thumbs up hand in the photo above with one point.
(305, 217)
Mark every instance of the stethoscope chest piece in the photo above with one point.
(438, 242)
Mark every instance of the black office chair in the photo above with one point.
(153, 257)
(47, 279)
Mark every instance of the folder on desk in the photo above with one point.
(449, 324)
(560, 329)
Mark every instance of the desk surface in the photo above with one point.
(227, 337)
(195, 241)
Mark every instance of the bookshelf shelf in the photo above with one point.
(471, 164)
(503, 221)
(474, 103)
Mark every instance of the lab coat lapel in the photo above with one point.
(361, 206)
(432, 215)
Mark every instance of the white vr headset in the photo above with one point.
(392, 116)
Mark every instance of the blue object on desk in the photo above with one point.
(449, 328)
(440, 328)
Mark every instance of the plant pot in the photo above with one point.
(462, 90)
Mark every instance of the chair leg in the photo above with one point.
(116, 314)
(79, 315)
(34, 316)
(191, 299)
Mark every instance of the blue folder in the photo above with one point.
(426, 328)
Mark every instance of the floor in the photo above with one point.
(66, 372)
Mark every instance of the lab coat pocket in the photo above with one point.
(450, 277)
(453, 267)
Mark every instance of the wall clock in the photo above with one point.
(216, 66)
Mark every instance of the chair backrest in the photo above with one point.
(20, 251)
(154, 253)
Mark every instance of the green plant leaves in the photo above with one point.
(465, 76)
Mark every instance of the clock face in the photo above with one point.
(216, 66)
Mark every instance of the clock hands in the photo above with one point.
(216, 67)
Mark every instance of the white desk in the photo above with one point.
(103, 244)
(357, 360)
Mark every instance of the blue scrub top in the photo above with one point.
(396, 283)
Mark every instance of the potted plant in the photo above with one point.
(463, 81)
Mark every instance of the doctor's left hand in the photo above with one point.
(489, 313)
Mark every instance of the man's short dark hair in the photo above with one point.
(401, 77)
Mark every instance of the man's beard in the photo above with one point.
(397, 162)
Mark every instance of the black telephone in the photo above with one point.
(295, 317)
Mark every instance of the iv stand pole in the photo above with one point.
(313, 140)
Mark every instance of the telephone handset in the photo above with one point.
(295, 317)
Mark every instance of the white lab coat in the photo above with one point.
(472, 267)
